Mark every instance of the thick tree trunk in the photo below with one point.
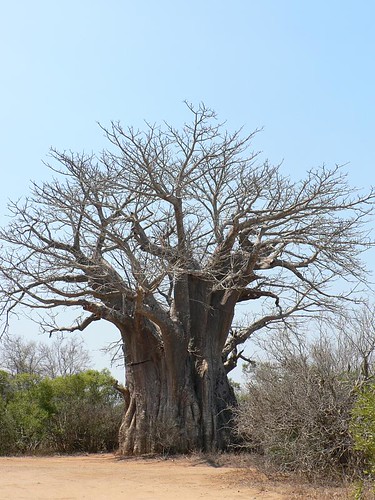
(179, 396)
(175, 408)
(193, 413)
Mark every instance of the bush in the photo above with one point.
(26, 411)
(87, 413)
(7, 431)
(363, 425)
(296, 410)
(74, 413)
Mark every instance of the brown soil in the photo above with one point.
(107, 477)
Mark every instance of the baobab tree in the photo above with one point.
(162, 235)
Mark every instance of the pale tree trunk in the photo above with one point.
(179, 396)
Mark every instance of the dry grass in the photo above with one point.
(254, 472)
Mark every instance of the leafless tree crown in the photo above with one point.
(59, 358)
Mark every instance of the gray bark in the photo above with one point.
(180, 398)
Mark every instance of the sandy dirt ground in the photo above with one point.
(107, 477)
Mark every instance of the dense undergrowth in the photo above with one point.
(309, 409)
(68, 414)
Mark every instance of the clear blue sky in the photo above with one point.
(304, 70)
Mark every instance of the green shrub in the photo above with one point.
(362, 425)
(87, 413)
(24, 415)
(73, 413)
(6, 425)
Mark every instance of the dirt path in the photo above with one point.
(97, 477)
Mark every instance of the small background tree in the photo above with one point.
(56, 358)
